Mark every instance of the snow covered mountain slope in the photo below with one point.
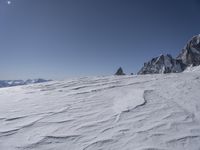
(150, 112)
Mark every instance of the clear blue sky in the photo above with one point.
(64, 38)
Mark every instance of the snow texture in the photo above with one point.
(151, 112)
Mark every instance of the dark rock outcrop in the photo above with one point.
(120, 72)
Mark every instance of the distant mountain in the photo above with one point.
(162, 64)
(31, 81)
(189, 56)
(9, 83)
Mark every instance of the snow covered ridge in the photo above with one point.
(9, 83)
(152, 112)
(189, 56)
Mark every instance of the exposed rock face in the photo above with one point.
(190, 55)
(162, 64)
(120, 72)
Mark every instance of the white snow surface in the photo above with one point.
(192, 69)
(144, 112)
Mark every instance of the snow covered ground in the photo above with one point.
(150, 112)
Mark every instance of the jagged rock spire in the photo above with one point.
(120, 71)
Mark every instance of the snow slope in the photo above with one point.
(150, 112)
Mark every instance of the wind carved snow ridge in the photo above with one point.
(138, 105)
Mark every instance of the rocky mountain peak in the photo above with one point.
(161, 64)
(189, 56)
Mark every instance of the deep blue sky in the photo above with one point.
(63, 38)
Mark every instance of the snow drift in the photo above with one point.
(151, 112)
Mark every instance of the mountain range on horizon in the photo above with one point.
(10, 83)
